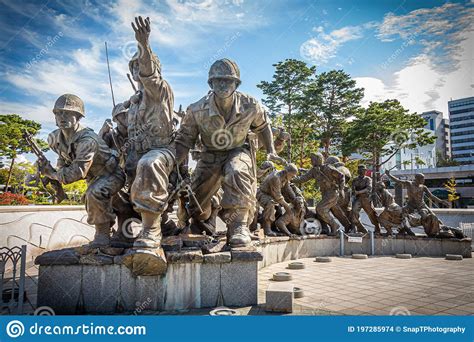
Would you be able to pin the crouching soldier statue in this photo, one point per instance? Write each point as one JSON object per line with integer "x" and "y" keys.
{"x": 83, "y": 155}
{"x": 271, "y": 193}
{"x": 223, "y": 119}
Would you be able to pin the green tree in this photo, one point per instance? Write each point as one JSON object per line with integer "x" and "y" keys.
{"x": 441, "y": 161}
{"x": 383, "y": 129}
{"x": 12, "y": 143}
{"x": 333, "y": 97}
{"x": 450, "y": 187}
{"x": 18, "y": 174}
{"x": 285, "y": 95}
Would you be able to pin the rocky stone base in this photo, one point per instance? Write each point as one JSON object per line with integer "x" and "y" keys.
{"x": 113, "y": 280}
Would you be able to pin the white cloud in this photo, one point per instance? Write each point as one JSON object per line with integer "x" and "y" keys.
{"x": 83, "y": 71}
{"x": 437, "y": 30}
{"x": 323, "y": 47}
{"x": 422, "y": 86}
{"x": 444, "y": 68}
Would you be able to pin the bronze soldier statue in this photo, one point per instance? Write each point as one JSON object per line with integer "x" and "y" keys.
{"x": 150, "y": 159}
{"x": 117, "y": 138}
{"x": 223, "y": 119}
{"x": 281, "y": 138}
{"x": 83, "y": 155}
{"x": 392, "y": 214}
{"x": 331, "y": 184}
{"x": 342, "y": 211}
{"x": 416, "y": 191}
{"x": 362, "y": 190}
{"x": 272, "y": 192}
{"x": 289, "y": 223}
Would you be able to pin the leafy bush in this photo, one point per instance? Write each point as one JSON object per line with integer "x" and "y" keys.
{"x": 7, "y": 198}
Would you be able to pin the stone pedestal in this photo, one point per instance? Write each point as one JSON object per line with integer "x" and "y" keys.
{"x": 190, "y": 281}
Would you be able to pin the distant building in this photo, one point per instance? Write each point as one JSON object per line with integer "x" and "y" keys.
{"x": 461, "y": 117}
{"x": 440, "y": 127}
{"x": 413, "y": 159}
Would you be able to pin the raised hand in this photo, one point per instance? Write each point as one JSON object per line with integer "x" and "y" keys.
{"x": 142, "y": 30}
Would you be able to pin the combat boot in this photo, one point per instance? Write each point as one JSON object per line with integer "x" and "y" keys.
{"x": 150, "y": 236}
{"x": 238, "y": 234}
{"x": 102, "y": 236}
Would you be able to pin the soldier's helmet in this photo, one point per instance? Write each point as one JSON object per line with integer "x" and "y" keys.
{"x": 119, "y": 109}
{"x": 316, "y": 158}
{"x": 70, "y": 103}
{"x": 267, "y": 164}
{"x": 291, "y": 168}
{"x": 224, "y": 68}
{"x": 154, "y": 58}
{"x": 332, "y": 160}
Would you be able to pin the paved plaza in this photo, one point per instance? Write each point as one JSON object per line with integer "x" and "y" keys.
{"x": 380, "y": 286}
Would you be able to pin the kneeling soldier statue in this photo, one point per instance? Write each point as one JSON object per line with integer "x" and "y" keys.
{"x": 83, "y": 155}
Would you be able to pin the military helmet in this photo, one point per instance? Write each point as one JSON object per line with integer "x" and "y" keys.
{"x": 290, "y": 167}
{"x": 69, "y": 102}
{"x": 118, "y": 109}
{"x": 316, "y": 158}
{"x": 267, "y": 164}
{"x": 333, "y": 160}
{"x": 154, "y": 59}
{"x": 224, "y": 68}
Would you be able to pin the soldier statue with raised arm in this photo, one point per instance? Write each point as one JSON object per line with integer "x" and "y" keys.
{"x": 150, "y": 159}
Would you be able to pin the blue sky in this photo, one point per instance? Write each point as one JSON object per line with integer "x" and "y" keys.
{"x": 420, "y": 52}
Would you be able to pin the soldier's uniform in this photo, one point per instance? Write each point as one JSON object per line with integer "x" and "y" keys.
{"x": 342, "y": 211}
{"x": 85, "y": 156}
{"x": 275, "y": 189}
{"x": 362, "y": 201}
{"x": 392, "y": 213}
{"x": 115, "y": 139}
{"x": 330, "y": 182}
{"x": 150, "y": 158}
{"x": 226, "y": 159}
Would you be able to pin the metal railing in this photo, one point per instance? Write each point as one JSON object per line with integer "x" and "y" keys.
{"x": 12, "y": 278}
